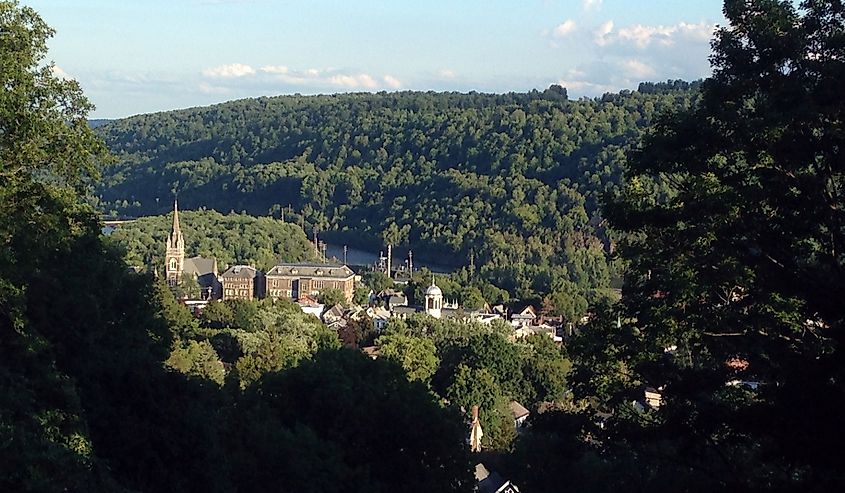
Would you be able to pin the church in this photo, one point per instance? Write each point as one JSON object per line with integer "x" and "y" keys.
{"x": 203, "y": 270}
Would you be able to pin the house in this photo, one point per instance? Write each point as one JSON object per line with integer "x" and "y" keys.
{"x": 397, "y": 300}
{"x": 492, "y": 482}
{"x": 372, "y": 352}
{"x": 309, "y": 304}
{"x": 523, "y": 331}
{"x": 519, "y": 413}
{"x": 242, "y": 282}
{"x": 653, "y": 397}
{"x": 380, "y": 317}
{"x": 295, "y": 280}
{"x": 524, "y": 318}
{"x": 333, "y": 315}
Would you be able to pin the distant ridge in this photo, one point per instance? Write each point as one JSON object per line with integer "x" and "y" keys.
{"x": 99, "y": 122}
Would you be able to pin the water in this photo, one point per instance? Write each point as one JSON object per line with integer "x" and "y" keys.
{"x": 355, "y": 256}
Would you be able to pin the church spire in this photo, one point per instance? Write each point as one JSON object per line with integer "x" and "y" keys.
{"x": 175, "y": 253}
{"x": 176, "y": 230}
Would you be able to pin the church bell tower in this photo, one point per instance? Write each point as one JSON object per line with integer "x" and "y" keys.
{"x": 175, "y": 254}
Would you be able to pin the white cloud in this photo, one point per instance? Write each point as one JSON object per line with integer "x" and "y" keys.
{"x": 564, "y": 28}
{"x": 59, "y": 73}
{"x": 603, "y": 33}
{"x": 446, "y": 73}
{"x": 643, "y": 36}
{"x": 592, "y": 4}
{"x": 227, "y": 71}
{"x": 638, "y": 69}
{"x": 274, "y": 69}
{"x": 353, "y": 81}
{"x": 207, "y": 88}
{"x": 392, "y": 82}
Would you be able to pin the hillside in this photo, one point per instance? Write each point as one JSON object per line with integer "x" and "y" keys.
{"x": 510, "y": 181}
{"x": 230, "y": 238}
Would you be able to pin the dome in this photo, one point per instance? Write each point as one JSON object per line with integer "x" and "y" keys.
{"x": 433, "y": 290}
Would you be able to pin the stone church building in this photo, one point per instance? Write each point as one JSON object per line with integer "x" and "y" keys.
{"x": 176, "y": 266}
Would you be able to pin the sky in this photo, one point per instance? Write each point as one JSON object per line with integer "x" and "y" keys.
{"x": 143, "y": 56}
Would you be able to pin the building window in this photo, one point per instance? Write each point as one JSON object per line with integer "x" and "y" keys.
{"x": 172, "y": 264}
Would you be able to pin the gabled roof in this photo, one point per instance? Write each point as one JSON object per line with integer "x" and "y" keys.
{"x": 518, "y": 410}
{"x": 241, "y": 271}
{"x": 527, "y": 312}
{"x": 200, "y": 266}
{"x": 306, "y": 269}
{"x": 334, "y": 312}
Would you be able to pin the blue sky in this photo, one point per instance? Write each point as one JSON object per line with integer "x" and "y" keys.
{"x": 142, "y": 56}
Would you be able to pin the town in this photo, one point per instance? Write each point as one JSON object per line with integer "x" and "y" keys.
{"x": 304, "y": 283}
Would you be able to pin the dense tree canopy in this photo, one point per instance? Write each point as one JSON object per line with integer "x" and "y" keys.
{"x": 733, "y": 301}
{"x": 230, "y": 238}
{"x": 106, "y": 384}
{"x": 509, "y": 183}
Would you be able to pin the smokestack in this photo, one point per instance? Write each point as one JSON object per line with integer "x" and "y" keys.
{"x": 411, "y": 262}
{"x": 389, "y": 259}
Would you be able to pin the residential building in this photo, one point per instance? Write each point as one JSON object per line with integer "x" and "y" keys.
{"x": 242, "y": 282}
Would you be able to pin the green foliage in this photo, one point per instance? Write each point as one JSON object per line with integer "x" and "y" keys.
{"x": 86, "y": 401}
{"x": 416, "y": 355}
{"x": 479, "y": 387}
{"x": 511, "y": 180}
{"x": 732, "y": 228}
{"x": 357, "y": 408}
{"x": 197, "y": 359}
{"x": 377, "y": 281}
{"x": 331, "y": 297}
{"x": 231, "y": 239}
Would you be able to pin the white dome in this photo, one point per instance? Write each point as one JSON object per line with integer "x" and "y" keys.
{"x": 433, "y": 290}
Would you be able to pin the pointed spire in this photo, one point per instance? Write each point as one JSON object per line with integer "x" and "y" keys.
{"x": 432, "y": 279}
{"x": 176, "y": 229}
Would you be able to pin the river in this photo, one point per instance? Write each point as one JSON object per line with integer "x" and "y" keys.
{"x": 358, "y": 257}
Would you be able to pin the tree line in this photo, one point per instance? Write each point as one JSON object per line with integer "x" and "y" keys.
{"x": 509, "y": 183}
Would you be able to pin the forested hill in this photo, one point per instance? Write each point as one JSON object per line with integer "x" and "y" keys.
{"x": 508, "y": 179}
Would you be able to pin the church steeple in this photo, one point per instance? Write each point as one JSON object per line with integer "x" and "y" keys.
{"x": 176, "y": 217}
{"x": 175, "y": 255}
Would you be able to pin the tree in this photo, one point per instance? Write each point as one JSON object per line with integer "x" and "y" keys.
{"x": 362, "y": 409}
{"x": 471, "y": 298}
{"x": 416, "y": 355}
{"x": 478, "y": 387}
{"x": 331, "y": 297}
{"x": 736, "y": 261}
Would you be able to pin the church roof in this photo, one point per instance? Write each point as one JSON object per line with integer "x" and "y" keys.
{"x": 200, "y": 266}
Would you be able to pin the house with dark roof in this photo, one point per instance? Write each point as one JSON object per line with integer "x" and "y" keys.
{"x": 296, "y": 280}
{"x": 242, "y": 282}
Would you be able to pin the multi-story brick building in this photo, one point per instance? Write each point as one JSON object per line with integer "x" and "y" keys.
{"x": 293, "y": 281}
{"x": 242, "y": 282}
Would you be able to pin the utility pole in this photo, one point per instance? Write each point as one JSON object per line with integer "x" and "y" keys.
{"x": 389, "y": 259}
{"x": 345, "y": 251}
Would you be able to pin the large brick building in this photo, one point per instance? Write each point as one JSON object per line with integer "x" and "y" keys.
{"x": 294, "y": 281}
{"x": 242, "y": 282}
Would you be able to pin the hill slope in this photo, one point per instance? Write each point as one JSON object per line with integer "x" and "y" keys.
{"x": 510, "y": 180}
